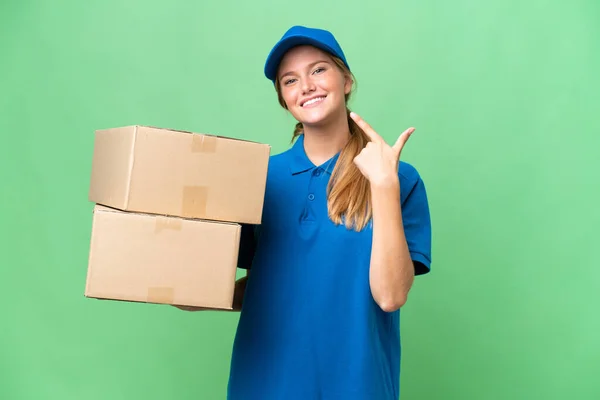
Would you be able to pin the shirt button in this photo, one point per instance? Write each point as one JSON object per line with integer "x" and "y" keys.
{"x": 311, "y": 197}
{"x": 317, "y": 172}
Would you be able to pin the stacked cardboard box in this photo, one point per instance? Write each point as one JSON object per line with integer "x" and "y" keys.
{"x": 168, "y": 212}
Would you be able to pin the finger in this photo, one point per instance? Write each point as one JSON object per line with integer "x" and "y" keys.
{"x": 369, "y": 131}
{"x": 402, "y": 140}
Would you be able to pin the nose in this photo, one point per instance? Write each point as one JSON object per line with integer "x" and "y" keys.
{"x": 308, "y": 85}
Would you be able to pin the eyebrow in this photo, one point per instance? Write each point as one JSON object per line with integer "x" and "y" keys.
{"x": 309, "y": 66}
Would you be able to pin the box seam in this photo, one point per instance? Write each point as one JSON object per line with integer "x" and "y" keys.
{"x": 231, "y": 138}
{"x": 90, "y": 255}
{"x": 159, "y": 215}
{"x": 131, "y": 165}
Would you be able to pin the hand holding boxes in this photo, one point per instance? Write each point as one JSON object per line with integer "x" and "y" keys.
{"x": 169, "y": 208}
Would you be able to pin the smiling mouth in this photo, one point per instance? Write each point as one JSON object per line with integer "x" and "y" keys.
{"x": 314, "y": 101}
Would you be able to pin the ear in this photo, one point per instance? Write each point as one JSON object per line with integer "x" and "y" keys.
{"x": 348, "y": 82}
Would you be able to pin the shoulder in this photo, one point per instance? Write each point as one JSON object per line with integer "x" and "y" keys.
{"x": 278, "y": 163}
{"x": 408, "y": 174}
{"x": 412, "y": 187}
{"x": 280, "y": 158}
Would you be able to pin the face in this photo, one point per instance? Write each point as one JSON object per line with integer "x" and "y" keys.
{"x": 312, "y": 85}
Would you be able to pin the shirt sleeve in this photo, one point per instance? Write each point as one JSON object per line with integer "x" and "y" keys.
{"x": 416, "y": 219}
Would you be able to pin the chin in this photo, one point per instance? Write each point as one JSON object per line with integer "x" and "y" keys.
{"x": 314, "y": 121}
{"x": 315, "y": 117}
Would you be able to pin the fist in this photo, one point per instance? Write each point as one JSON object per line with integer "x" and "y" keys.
{"x": 378, "y": 161}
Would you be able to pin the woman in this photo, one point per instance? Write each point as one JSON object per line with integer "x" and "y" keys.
{"x": 345, "y": 229}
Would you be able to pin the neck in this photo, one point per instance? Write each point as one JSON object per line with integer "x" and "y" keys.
{"x": 324, "y": 141}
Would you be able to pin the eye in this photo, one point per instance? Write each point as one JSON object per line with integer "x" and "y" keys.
{"x": 288, "y": 81}
{"x": 318, "y": 70}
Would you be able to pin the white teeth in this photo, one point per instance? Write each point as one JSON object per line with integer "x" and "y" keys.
{"x": 313, "y": 101}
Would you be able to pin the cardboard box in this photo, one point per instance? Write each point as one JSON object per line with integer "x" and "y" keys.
{"x": 165, "y": 260}
{"x": 177, "y": 173}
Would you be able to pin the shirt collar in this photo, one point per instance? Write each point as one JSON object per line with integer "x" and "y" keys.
{"x": 300, "y": 162}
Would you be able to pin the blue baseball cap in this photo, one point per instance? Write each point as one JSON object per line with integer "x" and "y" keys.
{"x": 301, "y": 35}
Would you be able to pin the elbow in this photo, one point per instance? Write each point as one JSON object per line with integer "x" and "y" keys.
{"x": 392, "y": 303}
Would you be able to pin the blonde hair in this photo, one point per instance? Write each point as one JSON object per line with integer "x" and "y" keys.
{"x": 348, "y": 191}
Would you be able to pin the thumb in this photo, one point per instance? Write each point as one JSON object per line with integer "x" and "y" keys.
{"x": 402, "y": 140}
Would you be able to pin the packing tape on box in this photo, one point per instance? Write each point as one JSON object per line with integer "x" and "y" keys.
{"x": 164, "y": 223}
{"x": 194, "y": 201}
{"x": 203, "y": 143}
{"x": 163, "y": 295}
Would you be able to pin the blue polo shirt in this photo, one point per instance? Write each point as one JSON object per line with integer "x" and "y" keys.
{"x": 309, "y": 328}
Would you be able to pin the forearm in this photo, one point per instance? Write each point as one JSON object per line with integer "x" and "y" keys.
{"x": 391, "y": 271}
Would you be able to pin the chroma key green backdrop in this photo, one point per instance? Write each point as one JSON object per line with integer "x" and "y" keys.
{"x": 505, "y": 99}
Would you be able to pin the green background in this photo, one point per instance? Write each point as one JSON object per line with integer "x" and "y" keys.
{"x": 504, "y": 96}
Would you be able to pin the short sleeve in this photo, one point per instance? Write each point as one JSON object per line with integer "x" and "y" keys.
{"x": 247, "y": 246}
{"x": 416, "y": 219}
